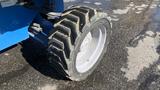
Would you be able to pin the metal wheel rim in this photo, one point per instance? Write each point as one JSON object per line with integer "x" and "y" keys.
{"x": 91, "y": 49}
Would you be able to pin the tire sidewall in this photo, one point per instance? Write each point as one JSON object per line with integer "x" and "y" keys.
{"x": 96, "y": 21}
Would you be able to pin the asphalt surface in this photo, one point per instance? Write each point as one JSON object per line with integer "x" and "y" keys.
{"x": 131, "y": 63}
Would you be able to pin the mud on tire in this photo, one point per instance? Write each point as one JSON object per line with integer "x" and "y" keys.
{"x": 68, "y": 34}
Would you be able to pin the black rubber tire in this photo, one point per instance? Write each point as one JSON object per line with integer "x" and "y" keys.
{"x": 67, "y": 36}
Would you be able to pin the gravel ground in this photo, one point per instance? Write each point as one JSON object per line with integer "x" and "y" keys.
{"x": 132, "y": 61}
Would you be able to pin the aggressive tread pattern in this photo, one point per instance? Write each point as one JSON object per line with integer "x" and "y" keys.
{"x": 63, "y": 38}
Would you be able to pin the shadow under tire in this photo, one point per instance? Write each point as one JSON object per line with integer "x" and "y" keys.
{"x": 78, "y": 42}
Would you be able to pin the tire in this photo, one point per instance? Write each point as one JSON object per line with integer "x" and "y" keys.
{"x": 66, "y": 39}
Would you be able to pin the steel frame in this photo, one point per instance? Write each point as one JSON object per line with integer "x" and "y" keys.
{"x": 15, "y": 21}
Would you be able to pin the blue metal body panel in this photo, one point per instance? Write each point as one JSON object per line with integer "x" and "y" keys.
{"x": 15, "y": 20}
{"x": 10, "y": 38}
{"x": 14, "y": 23}
{"x": 58, "y": 5}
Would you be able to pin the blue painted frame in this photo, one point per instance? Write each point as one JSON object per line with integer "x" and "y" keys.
{"x": 15, "y": 20}
{"x": 14, "y": 23}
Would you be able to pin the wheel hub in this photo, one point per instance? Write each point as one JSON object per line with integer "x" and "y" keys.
{"x": 91, "y": 48}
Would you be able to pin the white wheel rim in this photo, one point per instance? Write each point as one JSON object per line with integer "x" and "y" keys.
{"x": 91, "y": 49}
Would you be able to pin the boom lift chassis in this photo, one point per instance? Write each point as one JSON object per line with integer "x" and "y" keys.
{"x": 76, "y": 39}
